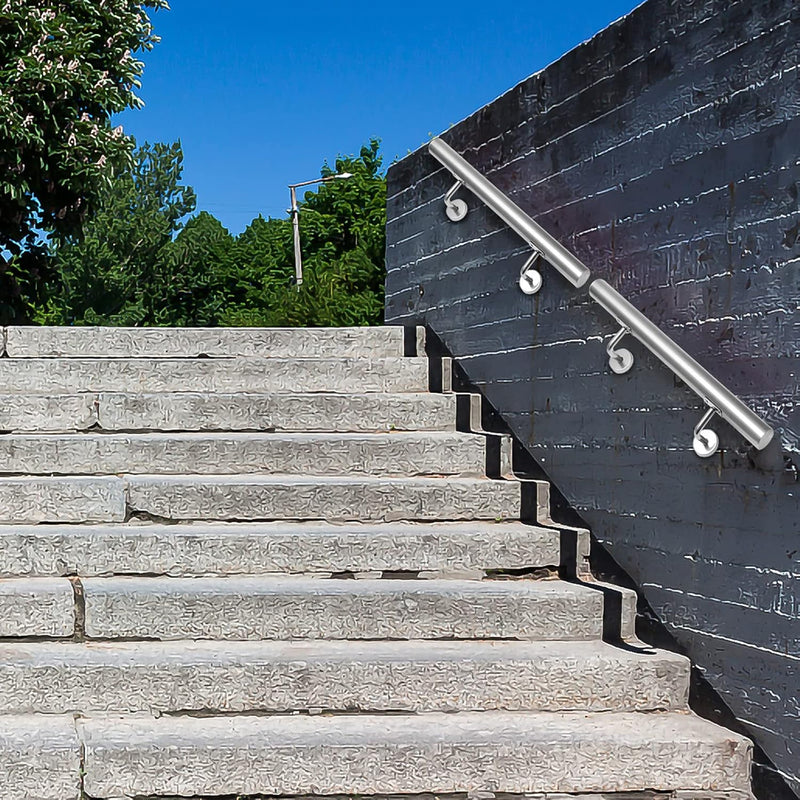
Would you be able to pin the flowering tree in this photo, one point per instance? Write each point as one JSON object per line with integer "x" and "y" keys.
{"x": 66, "y": 66}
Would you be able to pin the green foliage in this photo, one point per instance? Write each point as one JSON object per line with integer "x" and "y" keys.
{"x": 197, "y": 272}
{"x": 65, "y": 68}
{"x": 138, "y": 265}
{"x": 128, "y": 270}
{"x": 343, "y": 239}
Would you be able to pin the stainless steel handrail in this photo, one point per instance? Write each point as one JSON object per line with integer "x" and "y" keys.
{"x": 718, "y": 398}
{"x": 539, "y": 239}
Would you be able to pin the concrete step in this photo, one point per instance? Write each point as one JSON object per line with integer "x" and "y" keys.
{"x": 281, "y": 412}
{"x": 72, "y": 499}
{"x": 87, "y": 342}
{"x": 278, "y": 677}
{"x": 254, "y": 497}
{"x": 436, "y": 753}
{"x": 251, "y": 497}
{"x": 229, "y": 548}
{"x": 40, "y": 758}
{"x": 266, "y": 607}
{"x": 237, "y": 411}
{"x": 429, "y": 453}
{"x": 36, "y": 607}
{"x": 271, "y": 375}
{"x": 55, "y": 412}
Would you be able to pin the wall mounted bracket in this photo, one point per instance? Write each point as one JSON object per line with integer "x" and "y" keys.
{"x": 620, "y": 359}
{"x": 530, "y": 279}
{"x": 455, "y": 209}
{"x": 705, "y": 442}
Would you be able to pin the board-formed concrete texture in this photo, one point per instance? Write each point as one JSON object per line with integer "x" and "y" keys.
{"x": 663, "y": 152}
{"x": 254, "y": 562}
{"x": 231, "y": 548}
{"x": 431, "y": 752}
{"x": 285, "y": 676}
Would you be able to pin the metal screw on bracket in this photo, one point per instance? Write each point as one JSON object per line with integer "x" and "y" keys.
{"x": 530, "y": 279}
{"x": 705, "y": 441}
{"x": 456, "y": 210}
{"x": 620, "y": 359}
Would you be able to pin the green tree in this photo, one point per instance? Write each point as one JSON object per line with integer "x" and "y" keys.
{"x": 196, "y": 274}
{"x": 343, "y": 237}
{"x": 260, "y": 266}
{"x": 139, "y": 265}
{"x": 127, "y": 270}
{"x": 65, "y": 69}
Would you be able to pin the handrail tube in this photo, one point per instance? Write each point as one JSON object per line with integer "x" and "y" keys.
{"x": 726, "y": 404}
{"x": 556, "y": 254}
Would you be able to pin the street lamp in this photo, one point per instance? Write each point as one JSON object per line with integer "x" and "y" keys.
{"x": 295, "y": 212}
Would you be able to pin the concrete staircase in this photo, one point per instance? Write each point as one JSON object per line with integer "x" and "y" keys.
{"x": 265, "y": 562}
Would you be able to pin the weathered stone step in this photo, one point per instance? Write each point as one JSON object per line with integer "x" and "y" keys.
{"x": 254, "y": 497}
{"x": 40, "y": 758}
{"x": 229, "y": 548}
{"x": 281, "y": 412}
{"x": 273, "y": 375}
{"x": 36, "y": 607}
{"x": 87, "y": 342}
{"x": 436, "y": 753}
{"x": 265, "y": 607}
{"x": 172, "y": 677}
{"x": 429, "y": 453}
{"x": 55, "y": 412}
{"x": 72, "y": 499}
{"x": 236, "y": 411}
{"x": 186, "y": 497}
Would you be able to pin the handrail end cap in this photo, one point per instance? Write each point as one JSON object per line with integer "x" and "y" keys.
{"x": 765, "y": 439}
{"x": 582, "y": 279}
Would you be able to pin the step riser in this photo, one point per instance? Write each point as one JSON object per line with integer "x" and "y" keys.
{"x": 243, "y": 609}
{"x": 96, "y": 499}
{"x": 271, "y": 547}
{"x": 40, "y": 759}
{"x": 74, "y": 499}
{"x": 40, "y": 607}
{"x": 279, "y": 412}
{"x": 286, "y": 376}
{"x": 172, "y": 679}
{"x": 57, "y": 412}
{"x": 187, "y": 411}
{"x": 421, "y": 499}
{"x": 370, "y": 454}
{"x": 355, "y": 756}
{"x": 48, "y": 342}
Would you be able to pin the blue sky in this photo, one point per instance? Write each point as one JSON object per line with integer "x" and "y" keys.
{"x": 262, "y": 93}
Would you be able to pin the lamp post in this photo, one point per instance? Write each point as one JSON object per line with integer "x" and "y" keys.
{"x": 295, "y": 212}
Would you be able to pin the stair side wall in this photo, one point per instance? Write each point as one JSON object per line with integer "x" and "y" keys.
{"x": 664, "y": 153}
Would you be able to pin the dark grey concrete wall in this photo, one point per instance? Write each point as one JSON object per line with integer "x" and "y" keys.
{"x": 666, "y": 153}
